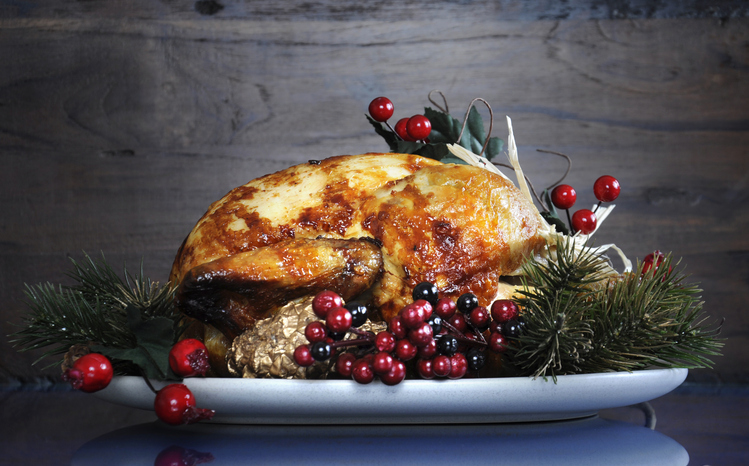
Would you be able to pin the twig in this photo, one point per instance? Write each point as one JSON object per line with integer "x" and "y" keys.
{"x": 569, "y": 165}
{"x": 491, "y": 123}
{"x": 444, "y": 99}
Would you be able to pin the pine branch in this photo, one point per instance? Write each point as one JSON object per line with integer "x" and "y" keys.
{"x": 578, "y": 319}
{"x": 92, "y": 311}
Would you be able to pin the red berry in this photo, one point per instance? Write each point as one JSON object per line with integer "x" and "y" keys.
{"x": 382, "y": 363}
{"x": 178, "y": 456}
{"x": 504, "y": 310}
{"x": 303, "y": 356}
{"x": 429, "y": 350}
{"x": 90, "y": 373}
{"x": 441, "y": 366}
{"x": 315, "y": 331}
{"x": 381, "y": 109}
{"x": 400, "y": 129}
{"x": 606, "y": 188}
{"x": 458, "y": 366}
{"x": 397, "y": 328}
{"x": 419, "y": 127}
{"x": 479, "y": 317}
{"x": 339, "y": 319}
{"x": 497, "y": 342}
{"x": 325, "y": 301}
{"x": 395, "y": 375}
{"x": 652, "y": 261}
{"x": 459, "y": 322}
{"x": 405, "y": 350}
{"x": 445, "y": 308}
{"x": 344, "y": 364}
{"x": 424, "y": 368}
{"x": 175, "y": 405}
{"x": 584, "y": 221}
{"x": 421, "y": 335}
{"x": 189, "y": 357}
{"x": 385, "y": 341}
{"x": 362, "y": 371}
{"x": 412, "y": 316}
{"x": 563, "y": 196}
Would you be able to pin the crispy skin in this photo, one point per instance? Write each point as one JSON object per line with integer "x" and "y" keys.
{"x": 458, "y": 226}
{"x": 232, "y": 293}
{"x": 303, "y": 201}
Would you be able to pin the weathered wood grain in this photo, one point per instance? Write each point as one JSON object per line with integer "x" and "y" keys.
{"x": 120, "y": 125}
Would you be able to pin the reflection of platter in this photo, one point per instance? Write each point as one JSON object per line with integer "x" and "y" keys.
{"x": 519, "y": 399}
{"x": 588, "y": 441}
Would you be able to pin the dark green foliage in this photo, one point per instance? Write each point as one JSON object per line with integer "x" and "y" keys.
{"x": 101, "y": 309}
{"x": 579, "y": 319}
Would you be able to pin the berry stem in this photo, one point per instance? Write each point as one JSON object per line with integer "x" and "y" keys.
{"x": 148, "y": 382}
{"x": 462, "y": 338}
{"x": 444, "y": 99}
{"x": 366, "y": 339}
{"x": 491, "y": 123}
{"x": 596, "y": 207}
{"x": 569, "y": 221}
{"x": 393, "y": 130}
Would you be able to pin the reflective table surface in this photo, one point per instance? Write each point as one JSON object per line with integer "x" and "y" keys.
{"x": 694, "y": 425}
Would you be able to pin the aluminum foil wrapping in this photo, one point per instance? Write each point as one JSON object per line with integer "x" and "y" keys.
{"x": 267, "y": 351}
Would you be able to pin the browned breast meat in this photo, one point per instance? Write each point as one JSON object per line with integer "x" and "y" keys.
{"x": 459, "y": 226}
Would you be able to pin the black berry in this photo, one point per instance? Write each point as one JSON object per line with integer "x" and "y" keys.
{"x": 358, "y": 313}
{"x": 447, "y": 345}
{"x": 426, "y": 291}
{"x": 467, "y": 302}
{"x": 511, "y": 328}
{"x": 436, "y": 322}
{"x": 336, "y": 336}
{"x": 476, "y": 359}
{"x": 320, "y": 351}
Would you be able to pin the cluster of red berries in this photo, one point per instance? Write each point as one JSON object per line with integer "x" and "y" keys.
{"x": 416, "y": 128}
{"x": 445, "y": 338}
{"x": 564, "y": 196}
{"x": 175, "y": 403}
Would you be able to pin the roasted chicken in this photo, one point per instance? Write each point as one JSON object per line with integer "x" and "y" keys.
{"x": 368, "y": 226}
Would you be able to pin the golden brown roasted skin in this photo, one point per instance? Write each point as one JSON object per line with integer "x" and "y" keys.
{"x": 233, "y": 292}
{"x": 460, "y": 227}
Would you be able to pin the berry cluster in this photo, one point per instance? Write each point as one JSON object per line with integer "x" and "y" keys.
{"x": 443, "y": 338}
{"x": 416, "y": 128}
{"x": 175, "y": 403}
{"x": 564, "y": 196}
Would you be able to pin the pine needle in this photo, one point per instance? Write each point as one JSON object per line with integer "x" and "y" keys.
{"x": 579, "y": 319}
{"x": 92, "y": 311}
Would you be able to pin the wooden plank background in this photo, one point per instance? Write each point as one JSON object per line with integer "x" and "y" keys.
{"x": 120, "y": 122}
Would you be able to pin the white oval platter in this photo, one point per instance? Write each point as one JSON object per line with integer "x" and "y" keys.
{"x": 489, "y": 400}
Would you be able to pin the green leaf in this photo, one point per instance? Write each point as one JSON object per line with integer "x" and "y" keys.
{"x": 407, "y": 147}
{"x": 553, "y": 219}
{"x": 154, "y": 339}
{"x": 551, "y": 216}
{"x": 494, "y": 148}
{"x": 445, "y": 129}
